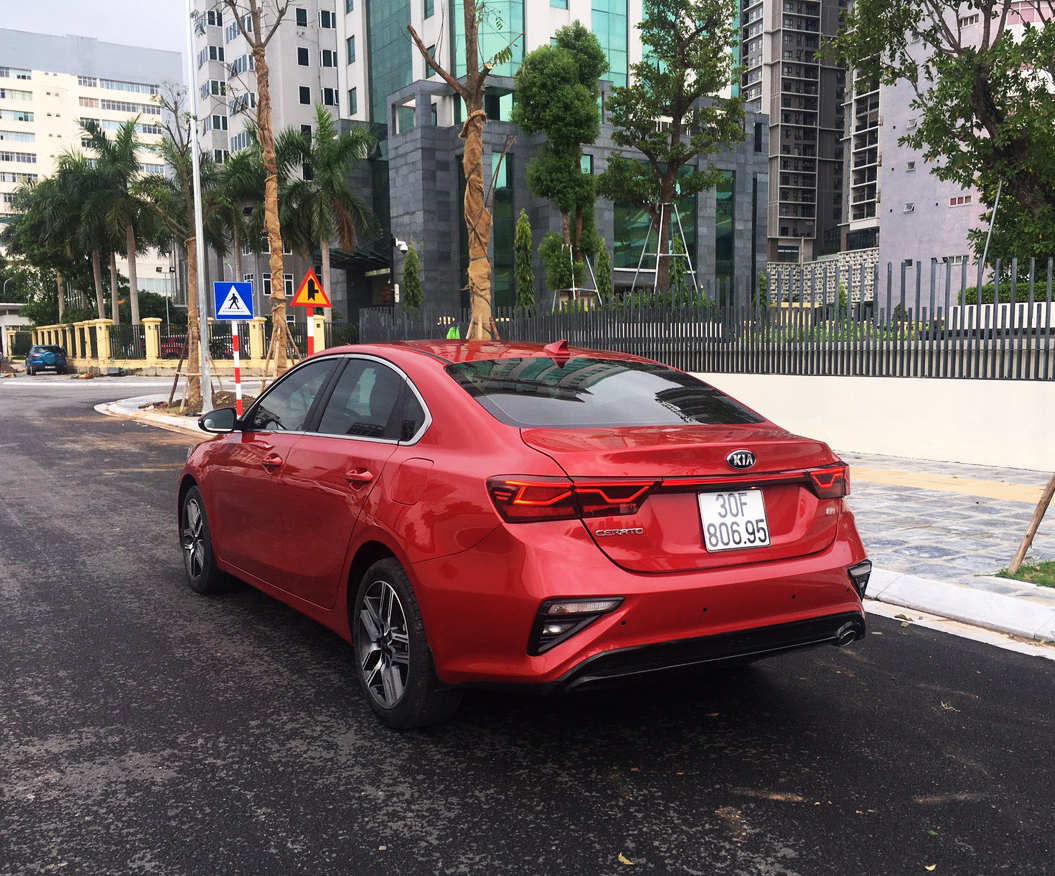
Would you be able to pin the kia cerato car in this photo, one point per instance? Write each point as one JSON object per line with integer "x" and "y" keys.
{"x": 43, "y": 356}
{"x": 541, "y": 518}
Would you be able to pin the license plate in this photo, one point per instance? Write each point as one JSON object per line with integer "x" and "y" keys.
{"x": 734, "y": 521}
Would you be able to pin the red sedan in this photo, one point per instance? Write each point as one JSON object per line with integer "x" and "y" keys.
{"x": 548, "y": 518}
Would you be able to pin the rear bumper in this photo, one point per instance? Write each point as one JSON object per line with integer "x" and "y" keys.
{"x": 688, "y": 654}
{"x": 479, "y": 609}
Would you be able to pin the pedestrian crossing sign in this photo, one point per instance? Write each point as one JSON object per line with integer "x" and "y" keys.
{"x": 233, "y": 300}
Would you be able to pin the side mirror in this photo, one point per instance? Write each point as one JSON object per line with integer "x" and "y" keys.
{"x": 218, "y": 421}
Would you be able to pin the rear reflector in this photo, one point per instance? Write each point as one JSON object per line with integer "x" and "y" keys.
{"x": 526, "y": 499}
{"x": 831, "y": 483}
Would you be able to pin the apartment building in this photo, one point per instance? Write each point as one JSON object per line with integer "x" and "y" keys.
{"x": 803, "y": 96}
{"x": 50, "y": 84}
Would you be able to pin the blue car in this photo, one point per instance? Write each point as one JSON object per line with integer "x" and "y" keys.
{"x": 40, "y": 357}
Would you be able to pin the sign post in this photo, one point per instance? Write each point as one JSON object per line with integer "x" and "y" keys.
{"x": 234, "y": 302}
{"x": 311, "y": 295}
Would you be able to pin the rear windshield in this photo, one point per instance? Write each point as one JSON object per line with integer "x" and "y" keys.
{"x": 46, "y": 349}
{"x": 588, "y": 392}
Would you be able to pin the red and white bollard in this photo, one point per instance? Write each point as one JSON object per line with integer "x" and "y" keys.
{"x": 237, "y": 369}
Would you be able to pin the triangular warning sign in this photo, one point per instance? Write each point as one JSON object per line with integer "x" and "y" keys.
{"x": 311, "y": 293}
{"x": 233, "y": 305}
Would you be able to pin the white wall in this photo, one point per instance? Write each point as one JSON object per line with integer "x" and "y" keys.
{"x": 1008, "y": 423}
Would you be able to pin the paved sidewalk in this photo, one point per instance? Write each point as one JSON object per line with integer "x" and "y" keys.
{"x": 935, "y": 531}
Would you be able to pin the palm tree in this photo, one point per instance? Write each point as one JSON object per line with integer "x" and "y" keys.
{"x": 240, "y": 195}
{"x": 170, "y": 198}
{"x": 118, "y": 166}
{"x": 320, "y": 206}
{"x": 87, "y": 193}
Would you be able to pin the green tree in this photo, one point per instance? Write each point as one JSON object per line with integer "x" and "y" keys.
{"x": 319, "y": 206}
{"x": 688, "y": 45}
{"x": 562, "y": 271}
{"x": 604, "y": 273}
{"x": 983, "y": 94}
{"x": 240, "y": 198}
{"x": 413, "y": 296}
{"x": 557, "y": 95}
{"x": 117, "y": 165}
{"x": 523, "y": 265}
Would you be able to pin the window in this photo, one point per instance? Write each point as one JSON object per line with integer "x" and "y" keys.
{"x": 910, "y": 167}
{"x": 429, "y": 8}
{"x": 909, "y": 208}
{"x": 363, "y": 402}
{"x": 87, "y": 81}
{"x": 306, "y": 131}
{"x": 329, "y": 58}
{"x": 125, "y": 107}
{"x": 302, "y": 17}
{"x": 287, "y": 406}
{"x": 349, "y": 6}
{"x": 968, "y": 20}
{"x": 594, "y": 392}
{"x": 329, "y": 97}
{"x": 15, "y": 94}
{"x": 18, "y": 157}
{"x": 586, "y": 164}
{"x": 217, "y": 87}
{"x": 18, "y": 136}
{"x": 220, "y": 155}
{"x": 247, "y": 278}
{"x": 327, "y": 19}
{"x": 432, "y": 53}
{"x": 353, "y": 101}
{"x": 266, "y": 283}
{"x": 287, "y": 283}
{"x": 758, "y": 136}
{"x": 306, "y": 172}
{"x": 912, "y": 124}
{"x": 350, "y": 46}
{"x": 16, "y": 115}
{"x": 219, "y": 122}
{"x": 214, "y": 17}
{"x": 119, "y": 85}
{"x": 958, "y": 201}
{"x": 305, "y": 94}
{"x": 302, "y": 56}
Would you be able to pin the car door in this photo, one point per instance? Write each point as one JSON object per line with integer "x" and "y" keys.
{"x": 246, "y": 471}
{"x": 332, "y": 474}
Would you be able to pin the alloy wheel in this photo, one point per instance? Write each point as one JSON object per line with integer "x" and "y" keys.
{"x": 194, "y": 539}
{"x": 383, "y": 644}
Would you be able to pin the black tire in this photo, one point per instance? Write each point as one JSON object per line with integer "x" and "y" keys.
{"x": 199, "y": 560}
{"x": 392, "y": 656}
{"x": 30, "y": 371}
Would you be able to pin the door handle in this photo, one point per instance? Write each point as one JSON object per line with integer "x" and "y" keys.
{"x": 271, "y": 462}
{"x": 359, "y": 476}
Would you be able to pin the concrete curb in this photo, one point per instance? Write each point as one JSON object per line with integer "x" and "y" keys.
{"x": 1017, "y": 615}
{"x": 129, "y": 409}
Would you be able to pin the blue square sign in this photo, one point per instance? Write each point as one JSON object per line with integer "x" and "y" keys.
{"x": 233, "y": 300}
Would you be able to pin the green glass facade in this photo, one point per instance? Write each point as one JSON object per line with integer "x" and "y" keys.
{"x": 503, "y": 230}
{"x": 503, "y": 22}
{"x": 724, "y": 236}
{"x": 609, "y": 24}
{"x": 391, "y": 53}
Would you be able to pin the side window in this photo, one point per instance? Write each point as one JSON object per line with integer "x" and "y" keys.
{"x": 413, "y": 417}
{"x": 285, "y": 408}
{"x": 363, "y": 401}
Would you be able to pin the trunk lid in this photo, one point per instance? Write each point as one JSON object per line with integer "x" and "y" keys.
{"x": 666, "y": 532}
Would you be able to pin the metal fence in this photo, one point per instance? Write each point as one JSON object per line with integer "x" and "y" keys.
{"x": 221, "y": 344}
{"x": 910, "y": 329}
{"x": 172, "y": 345}
{"x": 21, "y": 344}
{"x": 127, "y": 341}
{"x": 338, "y": 333}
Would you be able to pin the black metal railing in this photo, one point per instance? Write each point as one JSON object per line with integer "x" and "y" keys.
{"x": 172, "y": 345}
{"x": 814, "y": 323}
{"x": 127, "y": 341}
{"x": 221, "y": 344}
{"x": 338, "y": 333}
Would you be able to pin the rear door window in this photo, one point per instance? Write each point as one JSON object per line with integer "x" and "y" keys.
{"x": 364, "y": 401}
{"x": 593, "y": 392}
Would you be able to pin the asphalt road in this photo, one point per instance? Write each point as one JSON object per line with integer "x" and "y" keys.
{"x": 145, "y": 729}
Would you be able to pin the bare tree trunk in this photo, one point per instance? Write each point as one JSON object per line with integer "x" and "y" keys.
{"x": 133, "y": 280}
{"x": 565, "y": 228}
{"x": 1038, "y": 515}
{"x": 192, "y": 397}
{"x": 115, "y": 291}
{"x": 97, "y": 276}
{"x": 60, "y": 283}
{"x": 579, "y": 254}
{"x": 663, "y": 263}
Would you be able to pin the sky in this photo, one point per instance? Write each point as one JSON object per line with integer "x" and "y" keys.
{"x": 152, "y": 24}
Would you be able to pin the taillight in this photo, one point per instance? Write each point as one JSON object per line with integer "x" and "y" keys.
{"x": 526, "y": 499}
{"x": 831, "y": 483}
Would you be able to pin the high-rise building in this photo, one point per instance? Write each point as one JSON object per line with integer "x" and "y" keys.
{"x": 50, "y": 84}
{"x": 418, "y": 182}
{"x": 802, "y": 94}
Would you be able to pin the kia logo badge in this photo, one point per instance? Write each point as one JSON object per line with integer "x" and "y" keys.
{"x": 740, "y": 459}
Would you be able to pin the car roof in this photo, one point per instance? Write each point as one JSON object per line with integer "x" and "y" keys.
{"x": 450, "y": 351}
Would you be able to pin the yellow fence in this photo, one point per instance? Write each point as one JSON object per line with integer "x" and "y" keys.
{"x": 88, "y": 348}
